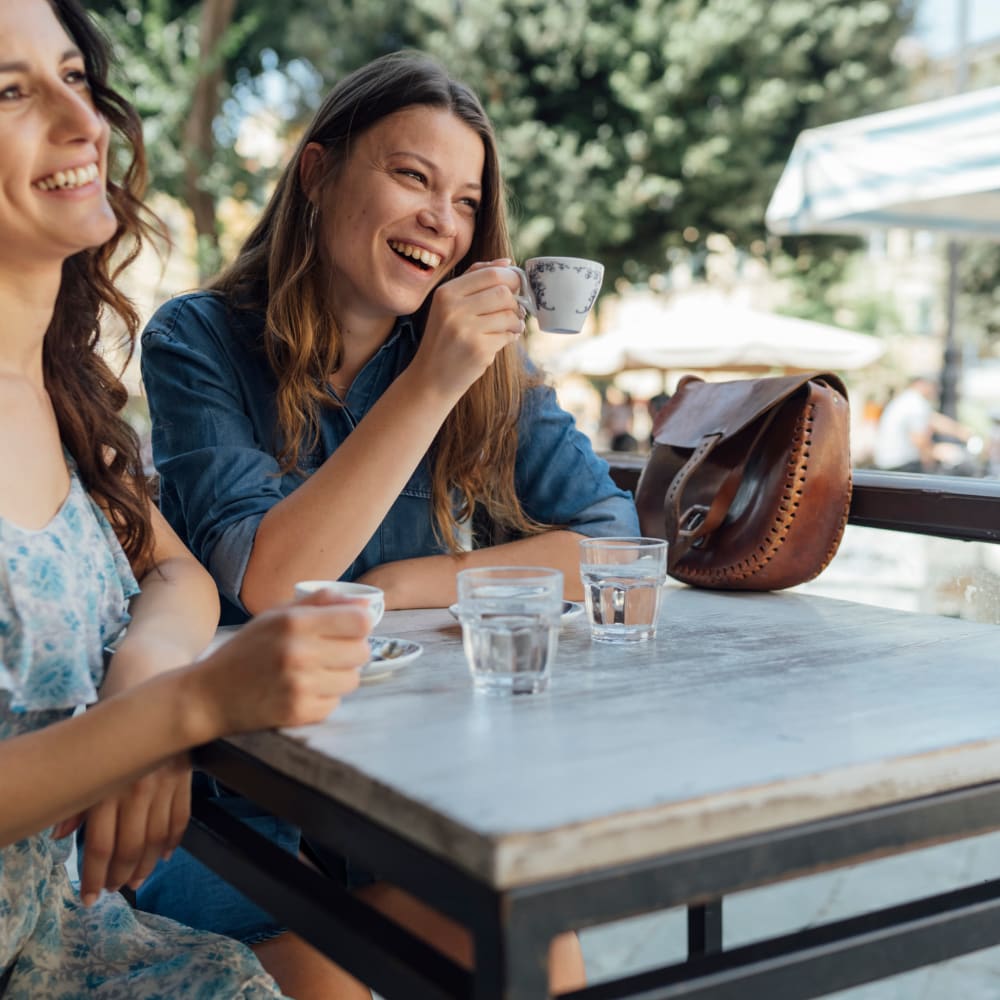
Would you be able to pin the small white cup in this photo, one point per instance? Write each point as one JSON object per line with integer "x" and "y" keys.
{"x": 374, "y": 597}
{"x": 559, "y": 291}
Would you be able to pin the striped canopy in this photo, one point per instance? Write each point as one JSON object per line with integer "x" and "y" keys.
{"x": 931, "y": 166}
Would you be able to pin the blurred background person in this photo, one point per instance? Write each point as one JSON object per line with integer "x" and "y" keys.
{"x": 906, "y": 439}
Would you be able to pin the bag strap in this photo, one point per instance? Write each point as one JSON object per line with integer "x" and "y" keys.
{"x": 697, "y": 521}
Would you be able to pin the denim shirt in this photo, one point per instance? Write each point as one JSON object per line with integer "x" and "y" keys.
{"x": 212, "y": 400}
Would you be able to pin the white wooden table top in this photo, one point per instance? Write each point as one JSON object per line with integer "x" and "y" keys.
{"x": 748, "y": 712}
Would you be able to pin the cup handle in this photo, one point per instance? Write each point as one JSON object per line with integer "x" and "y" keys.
{"x": 527, "y": 298}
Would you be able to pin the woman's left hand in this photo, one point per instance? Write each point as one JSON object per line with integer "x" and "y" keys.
{"x": 127, "y": 834}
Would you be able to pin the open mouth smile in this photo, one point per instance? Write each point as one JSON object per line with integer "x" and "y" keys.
{"x": 422, "y": 258}
{"x": 64, "y": 180}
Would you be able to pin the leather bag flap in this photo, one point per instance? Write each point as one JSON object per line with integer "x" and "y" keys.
{"x": 725, "y": 408}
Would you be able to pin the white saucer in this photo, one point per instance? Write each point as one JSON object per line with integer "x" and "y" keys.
{"x": 388, "y": 655}
{"x": 571, "y": 609}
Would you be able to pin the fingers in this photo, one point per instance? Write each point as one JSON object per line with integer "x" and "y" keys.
{"x": 169, "y": 807}
{"x": 489, "y": 288}
{"x": 101, "y": 824}
{"x": 352, "y": 618}
{"x": 67, "y": 826}
{"x": 480, "y": 264}
{"x": 127, "y": 836}
{"x": 180, "y": 813}
{"x": 289, "y": 666}
{"x": 130, "y": 835}
{"x": 151, "y": 840}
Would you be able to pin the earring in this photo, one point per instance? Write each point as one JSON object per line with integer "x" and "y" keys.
{"x": 311, "y": 214}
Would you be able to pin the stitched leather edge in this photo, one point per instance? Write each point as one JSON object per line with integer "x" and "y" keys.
{"x": 756, "y": 562}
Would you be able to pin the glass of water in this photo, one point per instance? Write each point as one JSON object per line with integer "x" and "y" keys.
{"x": 510, "y": 619}
{"x": 622, "y": 578}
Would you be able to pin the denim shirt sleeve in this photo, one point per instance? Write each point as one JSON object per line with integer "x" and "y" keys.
{"x": 559, "y": 478}
{"x": 217, "y": 478}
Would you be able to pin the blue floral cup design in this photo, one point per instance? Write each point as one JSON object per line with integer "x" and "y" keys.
{"x": 559, "y": 291}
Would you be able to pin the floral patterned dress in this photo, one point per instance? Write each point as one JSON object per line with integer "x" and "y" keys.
{"x": 64, "y": 593}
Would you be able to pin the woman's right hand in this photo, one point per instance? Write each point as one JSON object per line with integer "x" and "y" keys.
{"x": 287, "y": 667}
{"x": 472, "y": 318}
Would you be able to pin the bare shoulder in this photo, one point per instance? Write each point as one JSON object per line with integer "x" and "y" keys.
{"x": 35, "y": 478}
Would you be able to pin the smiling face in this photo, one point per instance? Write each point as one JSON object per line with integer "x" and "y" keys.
{"x": 52, "y": 172}
{"x": 398, "y": 215}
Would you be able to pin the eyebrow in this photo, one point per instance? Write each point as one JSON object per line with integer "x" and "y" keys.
{"x": 470, "y": 185}
{"x": 23, "y": 67}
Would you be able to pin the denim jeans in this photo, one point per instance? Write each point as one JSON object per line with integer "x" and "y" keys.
{"x": 185, "y": 890}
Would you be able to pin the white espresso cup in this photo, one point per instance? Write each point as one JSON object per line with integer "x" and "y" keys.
{"x": 374, "y": 597}
{"x": 559, "y": 291}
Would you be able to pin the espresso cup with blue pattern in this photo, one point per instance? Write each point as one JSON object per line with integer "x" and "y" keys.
{"x": 559, "y": 291}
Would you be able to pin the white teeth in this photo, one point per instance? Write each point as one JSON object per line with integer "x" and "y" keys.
{"x": 72, "y": 178}
{"x": 431, "y": 260}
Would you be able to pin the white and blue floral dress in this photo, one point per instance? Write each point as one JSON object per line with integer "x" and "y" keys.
{"x": 64, "y": 593}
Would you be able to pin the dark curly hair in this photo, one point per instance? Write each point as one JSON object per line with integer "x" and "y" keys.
{"x": 88, "y": 397}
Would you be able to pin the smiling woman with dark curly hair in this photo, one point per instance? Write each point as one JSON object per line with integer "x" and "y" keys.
{"x": 83, "y": 554}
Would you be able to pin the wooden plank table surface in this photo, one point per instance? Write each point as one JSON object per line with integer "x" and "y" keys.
{"x": 747, "y": 713}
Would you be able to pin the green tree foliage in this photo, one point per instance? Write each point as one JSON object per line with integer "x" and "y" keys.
{"x": 625, "y": 124}
{"x": 627, "y": 127}
{"x": 979, "y": 306}
{"x": 193, "y": 69}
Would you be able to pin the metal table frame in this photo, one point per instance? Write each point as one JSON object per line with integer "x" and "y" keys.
{"x": 511, "y": 929}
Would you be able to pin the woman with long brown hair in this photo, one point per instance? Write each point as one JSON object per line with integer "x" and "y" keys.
{"x": 351, "y": 393}
{"x": 83, "y": 553}
{"x": 350, "y": 398}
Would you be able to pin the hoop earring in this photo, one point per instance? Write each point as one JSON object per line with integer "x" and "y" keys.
{"x": 311, "y": 214}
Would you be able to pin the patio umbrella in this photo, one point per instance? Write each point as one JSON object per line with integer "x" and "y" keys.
{"x": 934, "y": 165}
{"x": 711, "y": 333}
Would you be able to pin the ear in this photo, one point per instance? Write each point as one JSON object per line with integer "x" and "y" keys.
{"x": 311, "y": 169}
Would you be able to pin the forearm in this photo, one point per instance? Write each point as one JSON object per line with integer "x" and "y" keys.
{"x": 943, "y": 424}
{"x": 173, "y": 619}
{"x": 430, "y": 582}
{"x": 319, "y": 529}
{"x": 58, "y": 771}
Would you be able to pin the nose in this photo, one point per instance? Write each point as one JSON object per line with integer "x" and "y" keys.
{"x": 75, "y": 119}
{"x": 439, "y": 216}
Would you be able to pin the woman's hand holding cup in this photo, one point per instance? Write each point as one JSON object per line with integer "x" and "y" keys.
{"x": 287, "y": 667}
{"x": 471, "y": 319}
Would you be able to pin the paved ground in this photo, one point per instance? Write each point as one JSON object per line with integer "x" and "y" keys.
{"x": 644, "y": 942}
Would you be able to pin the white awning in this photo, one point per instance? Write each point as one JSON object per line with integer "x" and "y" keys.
{"x": 704, "y": 332}
{"x": 934, "y": 166}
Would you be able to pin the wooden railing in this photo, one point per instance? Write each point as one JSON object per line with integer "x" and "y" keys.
{"x": 946, "y": 506}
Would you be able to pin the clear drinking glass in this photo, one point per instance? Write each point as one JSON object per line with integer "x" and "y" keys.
{"x": 622, "y": 578}
{"x": 510, "y": 619}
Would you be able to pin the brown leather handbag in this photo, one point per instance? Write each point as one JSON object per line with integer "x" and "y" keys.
{"x": 750, "y": 480}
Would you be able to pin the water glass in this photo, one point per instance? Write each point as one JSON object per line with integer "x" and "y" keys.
{"x": 510, "y": 619}
{"x": 622, "y": 578}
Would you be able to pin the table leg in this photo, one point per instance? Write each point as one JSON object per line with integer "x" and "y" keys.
{"x": 512, "y": 956}
{"x": 704, "y": 923}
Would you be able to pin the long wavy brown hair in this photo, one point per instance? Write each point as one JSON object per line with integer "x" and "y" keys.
{"x": 87, "y": 396}
{"x": 279, "y": 271}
